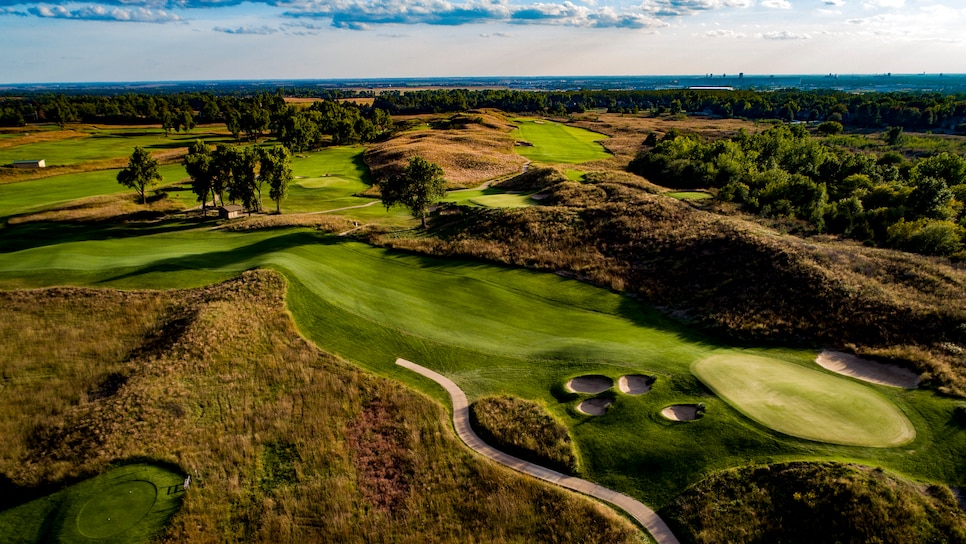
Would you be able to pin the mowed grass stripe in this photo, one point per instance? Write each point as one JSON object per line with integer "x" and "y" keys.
{"x": 805, "y": 403}
{"x": 43, "y": 193}
{"x": 555, "y": 143}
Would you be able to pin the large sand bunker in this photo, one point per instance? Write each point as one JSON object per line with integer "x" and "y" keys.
{"x": 635, "y": 384}
{"x": 594, "y": 407}
{"x": 682, "y": 412}
{"x": 591, "y": 384}
{"x": 870, "y": 371}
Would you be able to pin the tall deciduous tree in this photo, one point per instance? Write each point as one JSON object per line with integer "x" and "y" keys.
{"x": 419, "y": 185}
{"x": 275, "y": 169}
{"x": 200, "y": 166}
{"x": 142, "y": 171}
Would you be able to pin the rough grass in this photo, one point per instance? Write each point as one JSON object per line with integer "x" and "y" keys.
{"x": 524, "y": 429}
{"x": 805, "y": 402}
{"x": 285, "y": 443}
{"x": 471, "y": 148}
{"x": 814, "y": 502}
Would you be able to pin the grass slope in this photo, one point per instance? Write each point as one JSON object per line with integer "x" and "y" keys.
{"x": 493, "y": 330}
{"x": 284, "y": 443}
{"x": 805, "y": 403}
{"x": 555, "y": 143}
{"x": 44, "y": 193}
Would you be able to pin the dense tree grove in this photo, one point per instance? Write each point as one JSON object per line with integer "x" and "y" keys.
{"x": 784, "y": 172}
{"x": 256, "y": 114}
{"x": 242, "y": 171}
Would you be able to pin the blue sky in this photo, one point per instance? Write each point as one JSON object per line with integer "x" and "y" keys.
{"x": 151, "y": 40}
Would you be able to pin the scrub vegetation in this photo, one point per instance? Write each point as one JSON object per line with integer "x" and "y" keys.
{"x": 523, "y": 428}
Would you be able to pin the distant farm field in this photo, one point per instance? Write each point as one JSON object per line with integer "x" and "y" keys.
{"x": 556, "y": 143}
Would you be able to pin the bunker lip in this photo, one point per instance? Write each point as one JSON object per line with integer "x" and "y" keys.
{"x": 590, "y": 384}
{"x": 594, "y": 407}
{"x": 847, "y": 364}
{"x": 635, "y": 384}
{"x": 681, "y": 412}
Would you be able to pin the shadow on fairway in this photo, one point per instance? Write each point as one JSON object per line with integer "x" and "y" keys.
{"x": 231, "y": 259}
{"x": 33, "y": 235}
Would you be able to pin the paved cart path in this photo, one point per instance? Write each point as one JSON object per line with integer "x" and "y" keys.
{"x": 461, "y": 420}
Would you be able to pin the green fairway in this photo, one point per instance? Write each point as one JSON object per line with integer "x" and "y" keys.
{"x": 99, "y": 144}
{"x": 326, "y": 180}
{"x": 689, "y": 195}
{"x": 130, "y": 504}
{"x": 805, "y": 403}
{"x": 495, "y": 330}
{"x": 489, "y": 198}
{"x": 38, "y": 194}
{"x": 555, "y": 143}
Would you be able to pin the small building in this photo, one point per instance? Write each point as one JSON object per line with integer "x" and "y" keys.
{"x": 230, "y": 211}
{"x": 40, "y": 163}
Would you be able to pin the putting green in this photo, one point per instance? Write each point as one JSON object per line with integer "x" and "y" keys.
{"x": 117, "y": 508}
{"x": 805, "y": 403}
{"x": 127, "y": 505}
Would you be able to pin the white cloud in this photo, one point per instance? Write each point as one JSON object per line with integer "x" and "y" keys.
{"x": 873, "y": 4}
{"x": 785, "y": 35}
{"x": 776, "y": 4}
{"x": 724, "y": 34}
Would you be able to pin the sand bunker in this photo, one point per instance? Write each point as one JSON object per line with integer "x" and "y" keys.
{"x": 870, "y": 371}
{"x": 591, "y": 384}
{"x": 635, "y": 384}
{"x": 681, "y": 412}
{"x": 594, "y": 407}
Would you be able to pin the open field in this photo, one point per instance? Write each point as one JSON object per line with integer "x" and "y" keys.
{"x": 90, "y": 145}
{"x": 493, "y": 330}
{"x": 555, "y": 143}
{"x": 805, "y": 403}
{"x": 39, "y": 194}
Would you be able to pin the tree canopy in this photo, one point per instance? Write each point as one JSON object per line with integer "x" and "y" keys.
{"x": 142, "y": 171}
{"x": 419, "y": 185}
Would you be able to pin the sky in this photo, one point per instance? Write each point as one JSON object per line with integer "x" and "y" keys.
{"x": 173, "y": 40}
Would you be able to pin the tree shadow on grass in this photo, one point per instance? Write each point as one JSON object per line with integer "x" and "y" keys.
{"x": 231, "y": 259}
{"x": 15, "y": 238}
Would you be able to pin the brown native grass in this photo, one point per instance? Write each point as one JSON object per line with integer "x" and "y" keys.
{"x": 284, "y": 443}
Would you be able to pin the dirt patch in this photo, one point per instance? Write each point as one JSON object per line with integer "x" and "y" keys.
{"x": 866, "y": 370}
{"x": 682, "y": 412}
{"x": 594, "y": 407}
{"x": 591, "y": 384}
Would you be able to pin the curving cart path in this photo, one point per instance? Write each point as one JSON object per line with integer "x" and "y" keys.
{"x": 461, "y": 420}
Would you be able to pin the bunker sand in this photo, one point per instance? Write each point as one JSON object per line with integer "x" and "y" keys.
{"x": 869, "y": 371}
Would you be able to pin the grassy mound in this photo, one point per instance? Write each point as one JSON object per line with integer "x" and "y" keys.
{"x": 130, "y": 504}
{"x": 470, "y": 152}
{"x": 811, "y": 502}
{"x": 805, "y": 403}
{"x": 524, "y": 428}
{"x": 284, "y": 443}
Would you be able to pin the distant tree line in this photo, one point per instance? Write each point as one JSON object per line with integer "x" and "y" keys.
{"x": 784, "y": 172}
{"x": 247, "y": 113}
{"x": 250, "y": 117}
